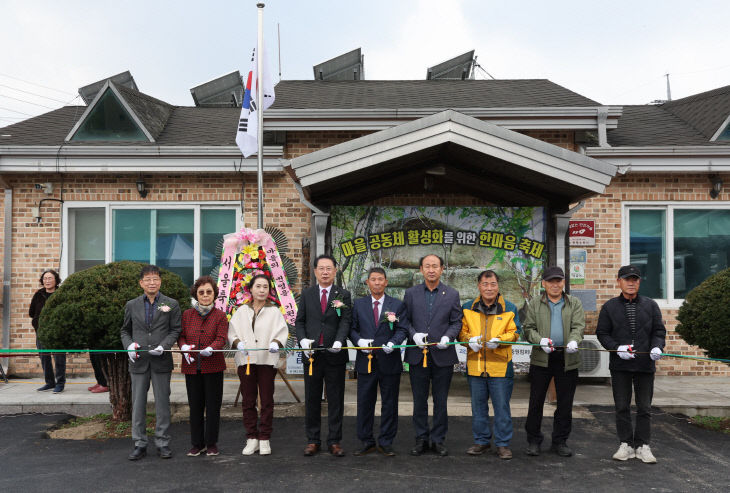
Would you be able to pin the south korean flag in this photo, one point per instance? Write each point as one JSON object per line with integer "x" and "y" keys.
{"x": 246, "y": 137}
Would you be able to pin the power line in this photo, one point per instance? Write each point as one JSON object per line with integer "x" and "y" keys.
{"x": 16, "y": 111}
{"x": 33, "y": 83}
{"x": 28, "y": 102}
{"x": 32, "y": 93}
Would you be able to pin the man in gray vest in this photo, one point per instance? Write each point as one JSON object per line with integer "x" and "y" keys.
{"x": 151, "y": 325}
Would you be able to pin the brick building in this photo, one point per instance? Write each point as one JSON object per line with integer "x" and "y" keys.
{"x": 132, "y": 177}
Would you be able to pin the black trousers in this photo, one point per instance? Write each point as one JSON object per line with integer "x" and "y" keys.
{"x": 59, "y": 376}
{"x": 367, "y": 394}
{"x": 565, "y": 383}
{"x": 205, "y": 396}
{"x": 333, "y": 375}
{"x": 643, "y": 387}
{"x": 96, "y": 364}
{"x": 437, "y": 379}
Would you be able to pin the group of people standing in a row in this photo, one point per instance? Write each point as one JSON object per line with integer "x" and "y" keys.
{"x": 430, "y": 319}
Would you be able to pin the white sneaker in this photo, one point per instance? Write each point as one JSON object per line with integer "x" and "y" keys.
{"x": 644, "y": 454}
{"x": 624, "y": 452}
{"x": 252, "y": 445}
{"x": 264, "y": 447}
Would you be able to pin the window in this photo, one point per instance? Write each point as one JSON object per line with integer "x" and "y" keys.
{"x": 677, "y": 247}
{"x": 109, "y": 121}
{"x": 184, "y": 239}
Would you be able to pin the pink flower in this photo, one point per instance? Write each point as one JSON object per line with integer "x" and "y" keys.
{"x": 246, "y": 258}
{"x": 390, "y": 316}
{"x": 337, "y": 304}
{"x": 164, "y": 308}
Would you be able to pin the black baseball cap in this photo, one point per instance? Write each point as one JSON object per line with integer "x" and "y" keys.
{"x": 553, "y": 272}
{"x": 629, "y": 271}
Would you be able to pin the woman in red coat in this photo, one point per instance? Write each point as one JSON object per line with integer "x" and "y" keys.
{"x": 204, "y": 329}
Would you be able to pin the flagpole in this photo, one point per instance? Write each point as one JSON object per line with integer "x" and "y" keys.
{"x": 260, "y": 114}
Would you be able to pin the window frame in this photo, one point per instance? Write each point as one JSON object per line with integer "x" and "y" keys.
{"x": 110, "y": 206}
{"x": 670, "y": 302}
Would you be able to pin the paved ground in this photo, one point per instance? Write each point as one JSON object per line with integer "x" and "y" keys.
{"x": 690, "y": 459}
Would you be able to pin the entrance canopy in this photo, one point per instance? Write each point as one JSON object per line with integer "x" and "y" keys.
{"x": 450, "y": 152}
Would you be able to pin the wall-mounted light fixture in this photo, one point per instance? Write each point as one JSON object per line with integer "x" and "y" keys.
{"x": 141, "y": 187}
{"x": 716, "y": 186}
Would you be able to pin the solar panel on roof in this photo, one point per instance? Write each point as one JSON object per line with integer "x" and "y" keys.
{"x": 350, "y": 66}
{"x": 226, "y": 90}
{"x": 88, "y": 93}
{"x": 460, "y": 67}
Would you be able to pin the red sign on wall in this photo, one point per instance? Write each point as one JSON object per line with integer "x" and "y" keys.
{"x": 582, "y": 233}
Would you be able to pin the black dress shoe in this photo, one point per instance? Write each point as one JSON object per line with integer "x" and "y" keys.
{"x": 561, "y": 449}
{"x": 164, "y": 452}
{"x": 440, "y": 449}
{"x": 137, "y": 453}
{"x": 533, "y": 449}
{"x": 386, "y": 450}
{"x": 419, "y": 448}
{"x": 366, "y": 449}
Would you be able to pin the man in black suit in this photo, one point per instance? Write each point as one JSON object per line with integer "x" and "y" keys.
{"x": 379, "y": 321}
{"x": 151, "y": 325}
{"x": 323, "y": 323}
{"x": 434, "y": 312}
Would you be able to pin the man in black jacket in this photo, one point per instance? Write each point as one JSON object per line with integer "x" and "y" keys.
{"x": 631, "y": 325}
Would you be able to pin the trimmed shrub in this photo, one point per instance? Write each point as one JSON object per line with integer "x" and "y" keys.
{"x": 704, "y": 317}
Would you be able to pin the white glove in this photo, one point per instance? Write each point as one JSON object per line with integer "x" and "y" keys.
{"x": 655, "y": 354}
{"x": 493, "y": 343}
{"x": 306, "y": 344}
{"x": 572, "y": 347}
{"x": 206, "y": 352}
{"x": 388, "y": 348}
{"x": 443, "y": 343}
{"x": 475, "y": 343}
{"x": 336, "y": 346}
{"x": 274, "y": 347}
{"x": 133, "y": 356}
{"x": 420, "y": 339}
{"x": 364, "y": 343}
{"x": 547, "y": 345}
{"x": 241, "y": 346}
{"x": 156, "y": 351}
{"x": 188, "y": 357}
{"x": 626, "y": 352}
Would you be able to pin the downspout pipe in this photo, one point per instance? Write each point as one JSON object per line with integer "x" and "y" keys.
{"x": 7, "y": 263}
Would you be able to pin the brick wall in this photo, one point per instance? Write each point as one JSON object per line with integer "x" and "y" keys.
{"x": 36, "y": 246}
{"x": 604, "y": 259}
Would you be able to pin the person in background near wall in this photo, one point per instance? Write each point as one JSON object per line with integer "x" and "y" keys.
{"x": 258, "y": 324}
{"x": 50, "y": 280}
{"x": 435, "y": 314}
{"x": 489, "y": 320}
{"x": 556, "y": 321}
{"x": 631, "y": 326}
{"x": 204, "y": 327}
{"x": 151, "y": 326}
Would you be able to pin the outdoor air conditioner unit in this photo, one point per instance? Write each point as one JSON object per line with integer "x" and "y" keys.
{"x": 593, "y": 363}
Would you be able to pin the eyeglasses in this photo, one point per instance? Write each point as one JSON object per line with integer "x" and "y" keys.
{"x": 325, "y": 269}
{"x": 151, "y": 280}
{"x": 206, "y": 291}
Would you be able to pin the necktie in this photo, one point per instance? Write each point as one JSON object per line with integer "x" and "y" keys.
{"x": 323, "y": 300}
{"x": 375, "y": 313}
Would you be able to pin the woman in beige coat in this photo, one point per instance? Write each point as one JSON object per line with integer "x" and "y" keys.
{"x": 258, "y": 324}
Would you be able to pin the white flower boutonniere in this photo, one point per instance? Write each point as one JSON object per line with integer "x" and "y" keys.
{"x": 163, "y": 307}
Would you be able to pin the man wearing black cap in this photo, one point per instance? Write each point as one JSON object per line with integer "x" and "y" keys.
{"x": 632, "y": 327}
{"x": 556, "y": 321}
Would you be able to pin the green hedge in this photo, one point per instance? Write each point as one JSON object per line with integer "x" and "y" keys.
{"x": 704, "y": 317}
{"x": 87, "y": 310}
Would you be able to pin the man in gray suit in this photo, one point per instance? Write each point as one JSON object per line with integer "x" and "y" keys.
{"x": 435, "y": 314}
{"x": 151, "y": 325}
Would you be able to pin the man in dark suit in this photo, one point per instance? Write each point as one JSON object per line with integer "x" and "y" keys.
{"x": 434, "y": 312}
{"x": 322, "y": 325}
{"x": 151, "y": 325}
{"x": 378, "y": 320}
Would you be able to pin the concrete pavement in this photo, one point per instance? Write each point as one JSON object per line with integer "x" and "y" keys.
{"x": 708, "y": 396}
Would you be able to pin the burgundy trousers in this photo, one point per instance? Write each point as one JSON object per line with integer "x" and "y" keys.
{"x": 259, "y": 383}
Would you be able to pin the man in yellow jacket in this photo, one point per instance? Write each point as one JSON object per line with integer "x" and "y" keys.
{"x": 487, "y": 321}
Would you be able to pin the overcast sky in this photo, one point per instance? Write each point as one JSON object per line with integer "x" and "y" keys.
{"x": 614, "y": 52}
